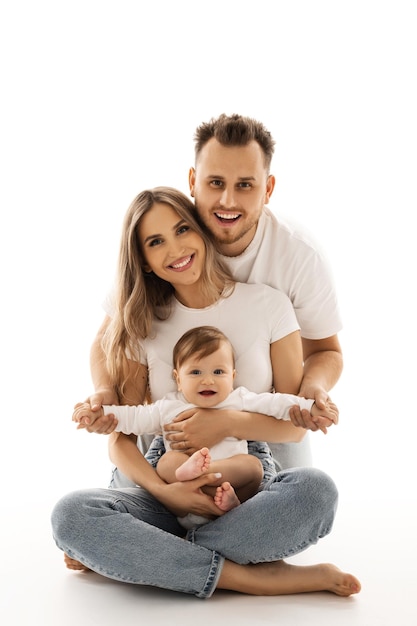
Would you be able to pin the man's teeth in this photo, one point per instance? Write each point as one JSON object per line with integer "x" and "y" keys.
{"x": 228, "y": 216}
{"x": 182, "y": 263}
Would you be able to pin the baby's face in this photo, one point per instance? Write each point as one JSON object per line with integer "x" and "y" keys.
{"x": 208, "y": 380}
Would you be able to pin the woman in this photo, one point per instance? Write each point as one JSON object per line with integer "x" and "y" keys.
{"x": 169, "y": 281}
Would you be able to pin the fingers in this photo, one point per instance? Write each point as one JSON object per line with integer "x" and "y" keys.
{"x": 302, "y": 418}
{"x": 206, "y": 479}
{"x": 104, "y": 425}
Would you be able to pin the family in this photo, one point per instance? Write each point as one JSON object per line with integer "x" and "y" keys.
{"x": 220, "y": 333}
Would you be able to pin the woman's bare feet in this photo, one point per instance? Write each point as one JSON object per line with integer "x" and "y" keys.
{"x": 195, "y": 466}
{"x": 281, "y": 578}
{"x": 225, "y": 497}
{"x": 75, "y": 565}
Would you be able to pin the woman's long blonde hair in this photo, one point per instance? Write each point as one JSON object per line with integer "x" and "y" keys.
{"x": 142, "y": 296}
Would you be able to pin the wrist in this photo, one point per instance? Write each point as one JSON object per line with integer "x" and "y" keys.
{"x": 107, "y": 395}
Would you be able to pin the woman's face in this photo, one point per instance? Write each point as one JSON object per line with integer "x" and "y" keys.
{"x": 171, "y": 249}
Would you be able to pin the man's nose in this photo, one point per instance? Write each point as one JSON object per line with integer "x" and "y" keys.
{"x": 227, "y": 199}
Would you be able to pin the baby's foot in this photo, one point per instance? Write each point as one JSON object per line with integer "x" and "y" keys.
{"x": 225, "y": 497}
{"x": 195, "y": 466}
{"x": 75, "y": 565}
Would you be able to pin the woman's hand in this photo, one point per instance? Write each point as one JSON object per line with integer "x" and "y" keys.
{"x": 187, "y": 497}
{"x": 195, "y": 428}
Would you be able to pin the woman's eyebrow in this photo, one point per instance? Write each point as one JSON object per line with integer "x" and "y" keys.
{"x": 160, "y": 235}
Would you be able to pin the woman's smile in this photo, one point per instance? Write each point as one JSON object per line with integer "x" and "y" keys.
{"x": 182, "y": 264}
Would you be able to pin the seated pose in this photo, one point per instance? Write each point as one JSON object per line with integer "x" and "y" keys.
{"x": 204, "y": 370}
{"x": 169, "y": 281}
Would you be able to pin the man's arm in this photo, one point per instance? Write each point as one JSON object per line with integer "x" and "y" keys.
{"x": 323, "y": 365}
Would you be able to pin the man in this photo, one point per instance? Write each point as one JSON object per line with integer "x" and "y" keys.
{"x": 231, "y": 184}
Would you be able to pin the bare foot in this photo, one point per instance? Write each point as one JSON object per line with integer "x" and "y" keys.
{"x": 281, "y": 578}
{"x": 75, "y": 565}
{"x": 225, "y": 497}
{"x": 195, "y": 466}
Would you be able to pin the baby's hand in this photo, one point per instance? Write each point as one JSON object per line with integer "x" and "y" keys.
{"x": 84, "y": 415}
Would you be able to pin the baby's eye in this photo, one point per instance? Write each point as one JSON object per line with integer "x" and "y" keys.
{"x": 218, "y": 372}
{"x": 195, "y": 372}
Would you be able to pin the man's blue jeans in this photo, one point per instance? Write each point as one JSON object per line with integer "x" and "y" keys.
{"x": 127, "y": 535}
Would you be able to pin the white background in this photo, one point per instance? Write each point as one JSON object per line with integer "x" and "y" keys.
{"x": 101, "y": 99}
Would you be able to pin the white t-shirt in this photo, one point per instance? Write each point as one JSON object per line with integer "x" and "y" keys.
{"x": 150, "y": 418}
{"x": 252, "y": 317}
{"x": 286, "y": 258}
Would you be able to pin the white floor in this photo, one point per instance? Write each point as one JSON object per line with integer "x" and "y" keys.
{"x": 376, "y": 543}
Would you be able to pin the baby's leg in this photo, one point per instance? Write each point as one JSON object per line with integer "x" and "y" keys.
{"x": 169, "y": 463}
{"x": 196, "y": 465}
{"x": 225, "y": 497}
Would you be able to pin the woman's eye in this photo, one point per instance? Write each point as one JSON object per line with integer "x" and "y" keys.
{"x": 155, "y": 242}
{"x": 183, "y": 229}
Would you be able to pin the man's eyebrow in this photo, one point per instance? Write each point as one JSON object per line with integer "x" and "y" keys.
{"x": 240, "y": 178}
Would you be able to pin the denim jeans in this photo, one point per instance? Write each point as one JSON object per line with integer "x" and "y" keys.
{"x": 127, "y": 535}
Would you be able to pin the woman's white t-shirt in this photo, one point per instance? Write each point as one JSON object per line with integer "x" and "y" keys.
{"x": 252, "y": 317}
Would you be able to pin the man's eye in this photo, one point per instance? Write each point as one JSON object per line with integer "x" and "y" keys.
{"x": 245, "y": 185}
{"x": 216, "y": 183}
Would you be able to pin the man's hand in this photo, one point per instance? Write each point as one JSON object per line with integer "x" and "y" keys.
{"x": 96, "y": 422}
{"x": 322, "y": 403}
{"x": 193, "y": 429}
{"x": 187, "y": 497}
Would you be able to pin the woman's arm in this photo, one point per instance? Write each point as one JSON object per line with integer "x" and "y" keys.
{"x": 180, "y": 497}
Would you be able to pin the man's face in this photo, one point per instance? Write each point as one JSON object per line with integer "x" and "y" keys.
{"x": 230, "y": 186}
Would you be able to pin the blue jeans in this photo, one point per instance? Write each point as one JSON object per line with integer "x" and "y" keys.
{"x": 127, "y": 535}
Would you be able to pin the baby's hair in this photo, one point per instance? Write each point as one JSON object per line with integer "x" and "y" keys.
{"x": 200, "y": 341}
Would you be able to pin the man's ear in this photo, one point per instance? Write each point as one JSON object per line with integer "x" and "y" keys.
{"x": 191, "y": 181}
{"x": 270, "y": 185}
